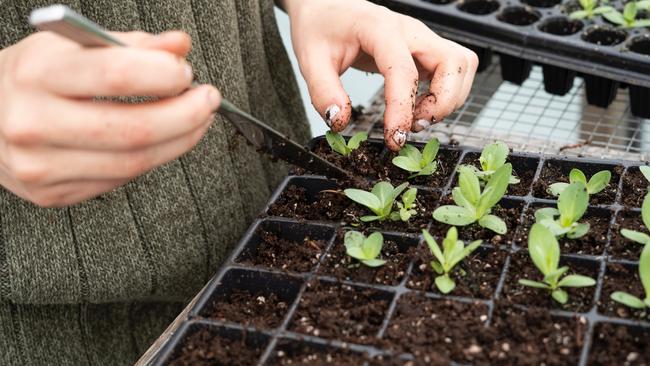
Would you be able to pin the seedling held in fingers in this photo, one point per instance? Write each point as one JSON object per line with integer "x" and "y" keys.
{"x": 364, "y": 249}
{"x": 571, "y": 206}
{"x": 492, "y": 158}
{"x": 474, "y": 205}
{"x": 453, "y": 251}
{"x": 380, "y": 200}
{"x": 544, "y": 250}
{"x": 416, "y": 162}
{"x": 627, "y": 19}
{"x": 644, "y": 273}
{"x": 406, "y": 207}
{"x": 596, "y": 184}
{"x": 590, "y": 9}
{"x": 338, "y": 144}
{"x": 639, "y": 237}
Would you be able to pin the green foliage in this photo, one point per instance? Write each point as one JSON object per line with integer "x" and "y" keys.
{"x": 492, "y": 158}
{"x": 637, "y": 236}
{"x": 416, "y": 162}
{"x": 591, "y": 8}
{"x": 544, "y": 251}
{"x": 597, "y": 183}
{"x": 365, "y": 250}
{"x": 338, "y": 144}
{"x": 571, "y": 206}
{"x": 453, "y": 251}
{"x": 627, "y": 19}
{"x": 474, "y": 205}
{"x": 644, "y": 273}
{"x": 406, "y": 207}
{"x": 380, "y": 200}
{"x": 645, "y": 170}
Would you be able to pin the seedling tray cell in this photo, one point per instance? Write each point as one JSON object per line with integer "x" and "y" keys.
{"x": 289, "y": 293}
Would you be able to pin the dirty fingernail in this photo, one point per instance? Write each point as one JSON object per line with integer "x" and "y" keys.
{"x": 330, "y": 114}
{"x": 399, "y": 137}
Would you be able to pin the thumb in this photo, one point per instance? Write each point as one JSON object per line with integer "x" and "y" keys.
{"x": 176, "y": 42}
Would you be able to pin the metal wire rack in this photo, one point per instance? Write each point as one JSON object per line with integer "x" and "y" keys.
{"x": 529, "y": 119}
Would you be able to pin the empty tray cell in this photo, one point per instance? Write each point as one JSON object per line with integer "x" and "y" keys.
{"x": 478, "y": 7}
{"x": 508, "y": 209}
{"x": 338, "y": 311}
{"x": 438, "y": 331}
{"x": 476, "y": 276}
{"x": 364, "y": 161}
{"x": 514, "y": 69}
{"x": 446, "y": 159}
{"x": 519, "y": 15}
{"x": 560, "y": 25}
{"x": 294, "y": 352}
{"x": 535, "y": 336}
{"x": 395, "y": 251}
{"x": 635, "y": 187}
{"x": 287, "y": 246}
{"x": 523, "y": 167}
{"x": 593, "y": 243}
{"x": 203, "y": 344}
{"x": 613, "y": 344}
{"x": 555, "y": 171}
{"x": 310, "y": 199}
{"x": 620, "y": 246}
{"x": 622, "y": 277}
{"x": 522, "y": 267}
{"x": 258, "y": 299}
{"x": 604, "y": 35}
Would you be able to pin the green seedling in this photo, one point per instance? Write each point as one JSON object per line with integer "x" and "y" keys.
{"x": 571, "y": 206}
{"x": 380, "y": 200}
{"x": 492, "y": 158}
{"x": 595, "y": 184}
{"x": 544, "y": 250}
{"x": 364, "y": 249}
{"x": 416, "y": 162}
{"x": 644, "y": 273}
{"x": 643, "y": 5}
{"x": 645, "y": 170}
{"x": 637, "y": 236}
{"x": 453, "y": 251}
{"x": 474, "y": 205}
{"x": 627, "y": 19}
{"x": 338, "y": 144}
{"x": 406, "y": 207}
{"x": 590, "y": 9}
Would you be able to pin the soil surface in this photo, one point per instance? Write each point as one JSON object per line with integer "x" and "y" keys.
{"x": 338, "y": 264}
{"x": 592, "y": 243}
{"x": 523, "y": 168}
{"x": 342, "y": 312}
{"x": 242, "y": 306}
{"x": 619, "y": 345}
{"x": 482, "y": 270}
{"x": 635, "y": 187}
{"x": 365, "y": 161}
{"x": 508, "y": 210}
{"x": 295, "y": 203}
{"x": 621, "y": 278}
{"x": 206, "y": 348}
{"x": 521, "y": 266}
{"x": 294, "y": 353}
{"x": 620, "y": 246}
{"x": 558, "y": 171}
{"x": 288, "y": 255}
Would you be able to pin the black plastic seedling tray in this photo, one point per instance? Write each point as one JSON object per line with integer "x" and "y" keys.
{"x": 308, "y": 307}
{"x": 539, "y": 31}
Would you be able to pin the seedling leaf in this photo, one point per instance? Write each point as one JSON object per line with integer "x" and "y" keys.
{"x": 469, "y": 185}
{"x": 407, "y": 164}
{"x": 576, "y": 175}
{"x": 494, "y": 156}
{"x": 556, "y": 188}
{"x": 493, "y": 223}
{"x": 644, "y": 270}
{"x": 628, "y": 300}
{"x": 560, "y": 296}
{"x": 365, "y": 250}
{"x": 645, "y": 211}
{"x": 430, "y": 150}
{"x": 572, "y": 203}
{"x": 364, "y": 198}
{"x": 356, "y": 140}
{"x": 599, "y": 181}
{"x": 452, "y": 253}
{"x": 645, "y": 170}
{"x": 576, "y": 281}
{"x": 420, "y": 163}
{"x": 543, "y": 248}
{"x": 336, "y": 142}
{"x": 579, "y": 230}
{"x": 445, "y": 284}
{"x": 454, "y": 215}
{"x": 534, "y": 284}
{"x": 636, "y": 236}
{"x": 494, "y": 189}
{"x": 374, "y": 262}
{"x": 629, "y": 11}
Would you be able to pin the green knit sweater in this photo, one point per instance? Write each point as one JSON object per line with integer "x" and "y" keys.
{"x": 97, "y": 282}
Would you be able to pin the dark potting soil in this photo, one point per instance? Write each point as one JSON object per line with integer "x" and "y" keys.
{"x": 294, "y": 203}
{"x": 621, "y": 247}
{"x": 294, "y": 353}
{"x": 554, "y": 172}
{"x": 522, "y": 267}
{"x": 522, "y": 167}
{"x": 206, "y": 348}
{"x": 284, "y": 254}
{"x": 447, "y": 160}
{"x": 482, "y": 270}
{"x": 341, "y": 312}
{"x": 338, "y": 264}
{"x": 243, "y": 307}
{"x": 635, "y": 187}
{"x": 619, "y": 345}
{"x": 621, "y": 278}
{"x": 509, "y": 211}
{"x": 592, "y": 243}
{"x": 364, "y": 161}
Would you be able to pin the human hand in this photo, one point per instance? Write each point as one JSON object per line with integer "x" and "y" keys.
{"x": 329, "y": 36}
{"x": 59, "y": 147}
